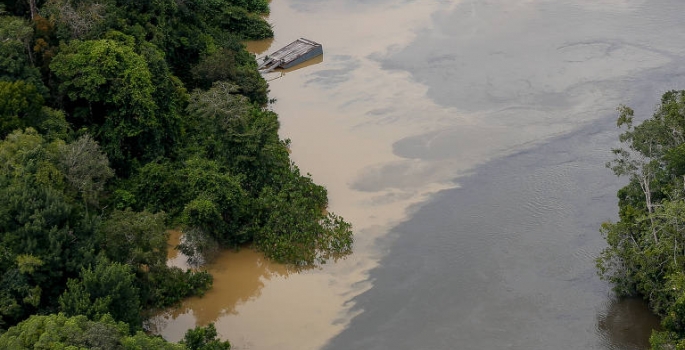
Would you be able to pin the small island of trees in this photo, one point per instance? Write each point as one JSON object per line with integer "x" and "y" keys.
{"x": 120, "y": 119}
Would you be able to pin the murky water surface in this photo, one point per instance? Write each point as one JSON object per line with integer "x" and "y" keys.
{"x": 465, "y": 141}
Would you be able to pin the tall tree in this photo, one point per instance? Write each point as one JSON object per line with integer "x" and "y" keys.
{"x": 16, "y": 58}
{"x": 646, "y": 247}
{"x": 21, "y": 106}
{"x": 85, "y": 168}
{"x": 40, "y": 223}
{"x": 110, "y": 89}
{"x": 109, "y": 288}
{"x": 136, "y": 239}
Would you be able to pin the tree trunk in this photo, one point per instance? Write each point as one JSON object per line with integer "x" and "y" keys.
{"x": 645, "y": 184}
{"x": 34, "y": 8}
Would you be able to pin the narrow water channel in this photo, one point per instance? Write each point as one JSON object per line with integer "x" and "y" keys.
{"x": 465, "y": 141}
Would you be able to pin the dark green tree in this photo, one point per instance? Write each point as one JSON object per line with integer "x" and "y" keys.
{"x": 204, "y": 338}
{"x": 110, "y": 92}
{"x": 85, "y": 168}
{"x": 226, "y": 127}
{"x": 40, "y": 222}
{"x": 646, "y": 247}
{"x": 138, "y": 239}
{"x": 16, "y": 53}
{"x": 21, "y": 106}
{"x": 230, "y": 65}
{"x": 108, "y": 288}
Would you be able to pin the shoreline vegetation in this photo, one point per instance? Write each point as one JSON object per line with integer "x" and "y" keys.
{"x": 120, "y": 119}
{"x": 645, "y": 256}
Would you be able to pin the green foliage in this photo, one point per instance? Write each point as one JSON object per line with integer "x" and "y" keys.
{"x": 16, "y": 61}
{"x": 76, "y": 19}
{"x": 230, "y": 16}
{"x": 250, "y": 25}
{"x": 166, "y": 286}
{"x": 17, "y": 296}
{"x": 189, "y": 30}
{"x": 109, "y": 288}
{"x": 40, "y": 222}
{"x": 129, "y": 100}
{"x": 54, "y": 125}
{"x": 104, "y": 148}
{"x": 245, "y": 138}
{"x": 123, "y": 199}
{"x": 85, "y": 168}
{"x": 170, "y": 98}
{"x": 20, "y": 106}
{"x": 105, "y": 71}
{"x": 204, "y": 338}
{"x": 156, "y": 187}
{"x": 111, "y": 92}
{"x": 294, "y": 226}
{"x": 666, "y": 341}
{"x": 28, "y": 263}
{"x": 257, "y": 6}
{"x": 646, "y": 247}
{"x": 57, "y": 331}
{"x": 227, "y": 65}
{"x": 203, "y": 213}
{"x": 138, "y": 239}
{"x": 142, "y": 341}
{"x": 207, "y": 194}
{"x": 218, "y": 200}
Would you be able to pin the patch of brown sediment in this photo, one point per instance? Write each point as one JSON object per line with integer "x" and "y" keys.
{"x": 238, "y": 278}
{"x": 259, "y": 47}
{"x": 343, "y": 117}
{"x": 174, "y": 257}
{"x": 627, "y": 324}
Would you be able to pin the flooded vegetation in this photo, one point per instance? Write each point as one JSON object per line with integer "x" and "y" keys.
{"x": 466, "y": 142}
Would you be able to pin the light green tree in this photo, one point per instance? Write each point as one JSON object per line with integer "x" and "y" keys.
{"x": 59, "y": 332}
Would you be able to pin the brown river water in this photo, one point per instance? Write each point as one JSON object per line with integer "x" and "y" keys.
{"x": 465, "y": 141}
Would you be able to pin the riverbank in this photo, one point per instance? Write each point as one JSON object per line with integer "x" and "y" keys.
{"x": 416, "y": 95}
{"x": 356, "y": 141}
{"x": 506, "y": 261}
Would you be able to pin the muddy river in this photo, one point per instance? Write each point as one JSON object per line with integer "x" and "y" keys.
{"x": 465, "y": 140}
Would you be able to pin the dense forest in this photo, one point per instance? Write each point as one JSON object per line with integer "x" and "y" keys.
{"x": 121, "y": 119}
{"x": 646, "y": 246}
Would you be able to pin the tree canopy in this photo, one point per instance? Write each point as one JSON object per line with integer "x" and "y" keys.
{"x": 120, "y": 119}
{"x": 58, "y": 331}
{"x": 646, "y": 246}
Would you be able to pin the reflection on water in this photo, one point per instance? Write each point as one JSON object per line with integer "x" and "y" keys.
{"x": 626, "y": 324}
{"x": 175, "y": 257}
{"x": 238, "y": 278}
{"x": 280, "y": 73}
{"x": 259, "y": 47}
